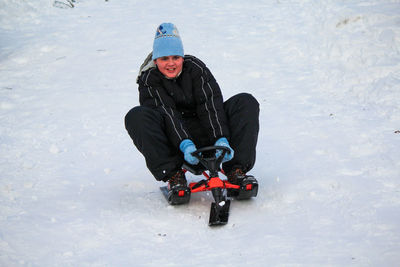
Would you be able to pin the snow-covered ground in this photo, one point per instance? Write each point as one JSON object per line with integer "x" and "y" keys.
{"x": 75, "y": 192}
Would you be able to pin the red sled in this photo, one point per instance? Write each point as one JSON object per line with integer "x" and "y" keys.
{"x": 221, "y": 190}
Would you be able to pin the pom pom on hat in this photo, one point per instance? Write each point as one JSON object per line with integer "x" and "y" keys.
{"x": 167, "y": 41}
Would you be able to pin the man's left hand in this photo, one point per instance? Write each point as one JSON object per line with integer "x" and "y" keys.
{"x": 224, "y": 142}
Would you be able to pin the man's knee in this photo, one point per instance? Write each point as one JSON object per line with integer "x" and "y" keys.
{"x": 242, "y": 101}
{"x": 139, "y": 115}
{"x": 248, "y": 99}
{"x": 132, "y": 115}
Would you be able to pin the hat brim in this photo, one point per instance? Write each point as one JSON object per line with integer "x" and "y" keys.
{"x": 167, "y": 46}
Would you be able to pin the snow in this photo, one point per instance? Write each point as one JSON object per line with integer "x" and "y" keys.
{"x": 75, "y": 192}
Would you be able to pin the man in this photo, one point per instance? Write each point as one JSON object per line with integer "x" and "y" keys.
{"x": 182, "y": 109}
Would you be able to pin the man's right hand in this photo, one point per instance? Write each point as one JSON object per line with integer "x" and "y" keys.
{"x": 188, "y": 147}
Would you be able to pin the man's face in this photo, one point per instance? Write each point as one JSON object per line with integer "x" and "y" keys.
{"x": 170, "y": 66}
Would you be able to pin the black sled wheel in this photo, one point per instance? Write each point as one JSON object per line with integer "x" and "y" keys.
{"x": 248, "y": 189}
{"x": 176, "y": 196}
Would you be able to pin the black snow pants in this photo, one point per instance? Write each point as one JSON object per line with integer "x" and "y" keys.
{"x": 146, "y": 128}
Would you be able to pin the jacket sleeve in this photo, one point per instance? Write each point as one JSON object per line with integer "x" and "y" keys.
{"x": 154, "y": 96}
{"x": 209, "y": 100}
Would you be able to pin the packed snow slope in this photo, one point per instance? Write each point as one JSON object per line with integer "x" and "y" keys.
{"x": 74, "y": 191}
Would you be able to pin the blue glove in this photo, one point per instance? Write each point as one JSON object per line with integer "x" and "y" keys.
{"x": 187, "y": 147}
{"x": 228, "y": 155}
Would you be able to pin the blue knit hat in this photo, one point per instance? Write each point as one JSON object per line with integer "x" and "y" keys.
{"x": 167, "y": 41}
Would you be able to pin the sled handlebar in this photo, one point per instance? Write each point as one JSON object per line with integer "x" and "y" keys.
{"x": 199, "y": 152}
{"x": 208, "y": 159}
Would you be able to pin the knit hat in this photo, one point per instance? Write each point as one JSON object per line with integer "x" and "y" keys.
{"x": 167, "y": 41}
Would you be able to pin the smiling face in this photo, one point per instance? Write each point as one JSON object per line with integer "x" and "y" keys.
{"x": 170, "y": 66}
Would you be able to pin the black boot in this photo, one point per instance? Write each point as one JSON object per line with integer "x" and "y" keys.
{"x": 235, "y": 176}
{"x": 178, "y": 191}
{"x": 248, "y": 184}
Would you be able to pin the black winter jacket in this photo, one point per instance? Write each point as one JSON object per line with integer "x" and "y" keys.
{"x": 194, "y": 93}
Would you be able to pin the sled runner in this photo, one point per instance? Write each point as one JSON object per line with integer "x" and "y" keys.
{"x": 221, "y": 190}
